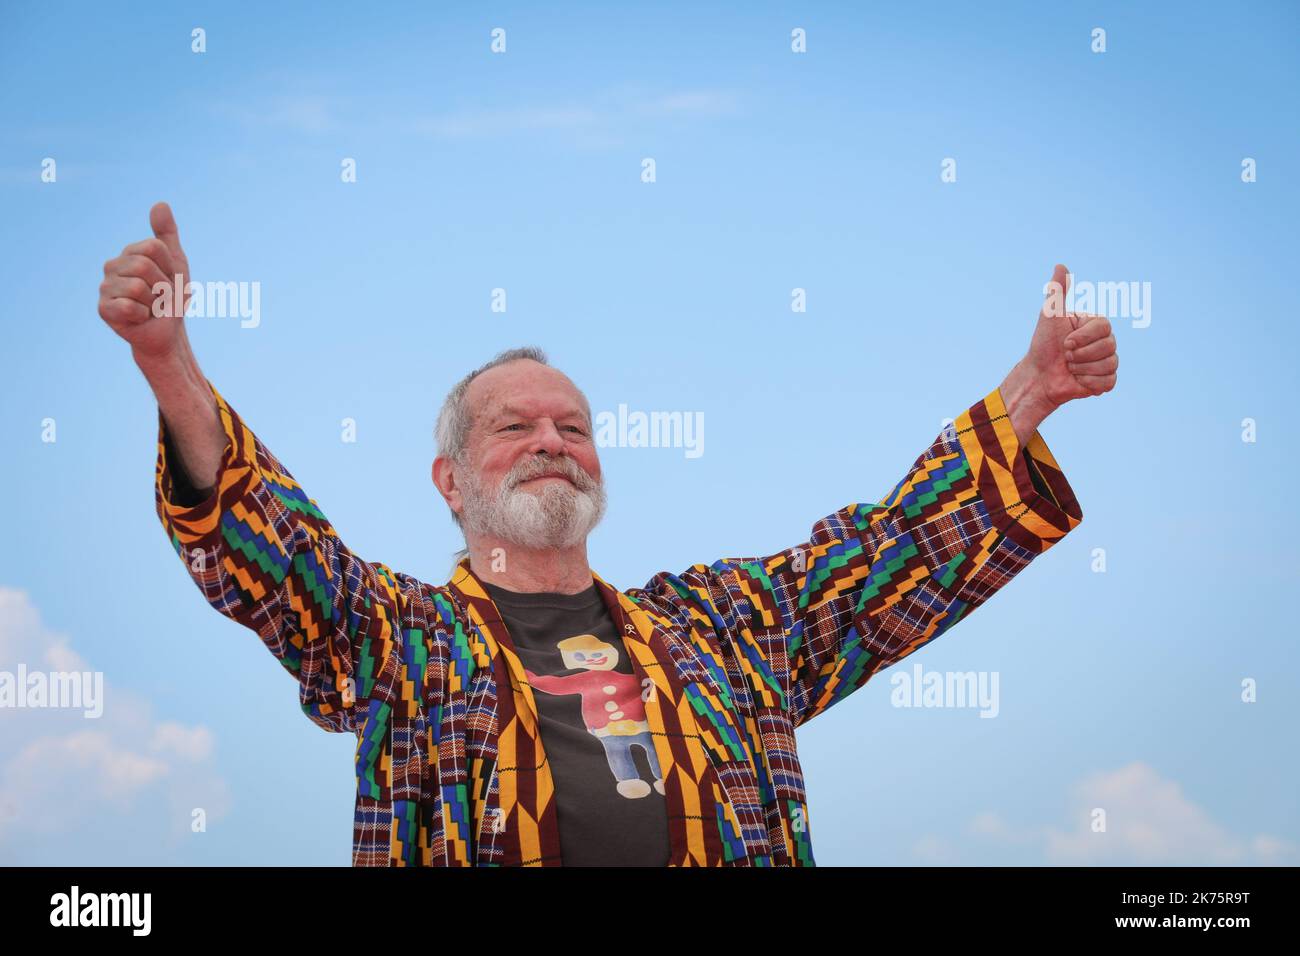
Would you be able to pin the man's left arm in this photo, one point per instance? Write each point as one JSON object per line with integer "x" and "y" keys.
{"x": 874, "y": 582}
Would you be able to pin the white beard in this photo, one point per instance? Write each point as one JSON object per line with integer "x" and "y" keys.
{"x": 554, "y": 515}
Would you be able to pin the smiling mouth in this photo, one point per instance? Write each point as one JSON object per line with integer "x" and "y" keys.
{"x": 544, "y": 477}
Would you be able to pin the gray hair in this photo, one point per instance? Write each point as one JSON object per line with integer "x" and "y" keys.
{"x": 456, "y": 418}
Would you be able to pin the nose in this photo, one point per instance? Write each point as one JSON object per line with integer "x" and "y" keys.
{"x": 547, "y": 438}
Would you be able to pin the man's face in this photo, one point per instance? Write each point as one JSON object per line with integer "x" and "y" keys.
{"x": 532, "y": 475}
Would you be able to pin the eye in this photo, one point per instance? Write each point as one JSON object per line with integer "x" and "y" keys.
{"x": 515, "y": 425}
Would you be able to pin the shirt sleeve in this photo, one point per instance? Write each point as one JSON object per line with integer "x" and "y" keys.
{"x": 264, "y": 555}
{"x": 874, "y": 582}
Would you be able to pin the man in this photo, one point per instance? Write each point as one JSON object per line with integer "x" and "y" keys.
{"x": 528, "y": 713}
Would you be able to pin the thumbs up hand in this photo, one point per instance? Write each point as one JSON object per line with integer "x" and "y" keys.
{"x": 1072, "y": 354}
{"x": 145, "y": 291}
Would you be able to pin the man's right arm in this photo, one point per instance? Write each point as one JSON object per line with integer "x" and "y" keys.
{"x": 264, "y": 555}
{"x": 257, "y": 546}
{"x": 142, "y": 299}
{"x": 189, "y": 409}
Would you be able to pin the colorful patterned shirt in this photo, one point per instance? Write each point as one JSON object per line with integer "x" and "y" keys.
{"x": 450, "y": 764}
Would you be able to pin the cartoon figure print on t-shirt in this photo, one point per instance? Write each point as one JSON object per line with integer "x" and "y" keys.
{"x": 612, "y": 707}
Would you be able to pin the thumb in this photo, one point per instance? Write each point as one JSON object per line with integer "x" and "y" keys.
{"x": 163, "y": 224}
{"x": 1057, "y": 286}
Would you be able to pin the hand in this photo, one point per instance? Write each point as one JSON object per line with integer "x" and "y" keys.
{"x": 1072, "y": 355}
{"x": 152, "y": 320}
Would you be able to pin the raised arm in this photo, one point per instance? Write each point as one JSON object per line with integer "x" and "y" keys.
{"x": 143, "y": 298}
{"x": 805, "y": 627}
{"x": 257, "y": 546}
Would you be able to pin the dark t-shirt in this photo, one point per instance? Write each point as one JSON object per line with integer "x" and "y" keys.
{"x": 593, "y": 726}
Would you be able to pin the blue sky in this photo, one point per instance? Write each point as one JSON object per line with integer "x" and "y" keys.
{"x": 774, "y": 171}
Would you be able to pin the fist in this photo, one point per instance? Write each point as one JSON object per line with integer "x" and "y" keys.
{"x": 141, "y": 298}
{"x": 1072, "y": 354}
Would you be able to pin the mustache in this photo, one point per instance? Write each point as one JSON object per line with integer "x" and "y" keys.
{"x": 564, "y": 467}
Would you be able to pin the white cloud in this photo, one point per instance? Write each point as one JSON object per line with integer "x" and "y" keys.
{"x": 1149, "y": 822}
{"x": 192, "y": 743}
{"x": 100, "y": 766}
{"x": 60, "y": 772}
{"x": 934, "y": 851}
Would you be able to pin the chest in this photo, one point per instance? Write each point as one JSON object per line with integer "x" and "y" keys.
{"x": 452, "y": 744}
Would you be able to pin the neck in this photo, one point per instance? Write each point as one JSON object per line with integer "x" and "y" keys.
{"x": 516, "y": 568}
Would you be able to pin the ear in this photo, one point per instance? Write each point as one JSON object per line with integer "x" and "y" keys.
{"x": 444, "y": 479}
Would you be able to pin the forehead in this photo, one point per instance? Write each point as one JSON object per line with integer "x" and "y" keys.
{"x": 523, "y": 388}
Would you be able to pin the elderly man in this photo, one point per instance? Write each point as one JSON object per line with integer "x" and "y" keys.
{"x": 529, "y": 713}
